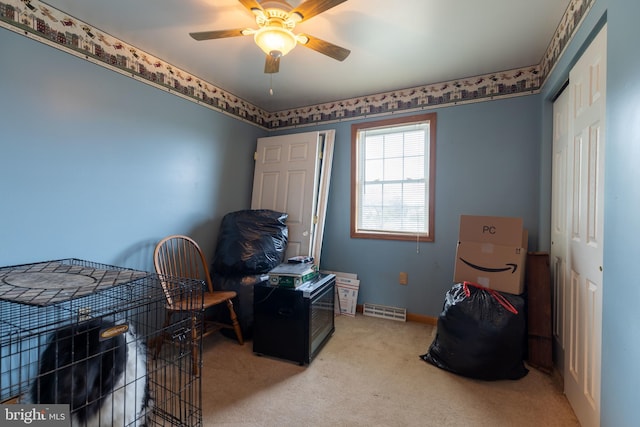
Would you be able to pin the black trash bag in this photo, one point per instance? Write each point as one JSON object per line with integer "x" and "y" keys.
{"x": 250, "y": 242}
{"x": 481, "y": 334}
{"x": 242, "y": 305}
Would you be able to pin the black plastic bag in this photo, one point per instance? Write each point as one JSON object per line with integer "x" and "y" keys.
{"x": 250, "y": 242}
{"x": 243, "y": 286}
{"x": 481, "y": 334}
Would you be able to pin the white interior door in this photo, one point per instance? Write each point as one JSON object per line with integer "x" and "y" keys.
{"x": 559, "y": 220}
{"x": 286, "y": 180}
{"x": 585, "y": 208}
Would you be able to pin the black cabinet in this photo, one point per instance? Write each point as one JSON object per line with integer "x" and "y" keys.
{"x": 293, "y": 324}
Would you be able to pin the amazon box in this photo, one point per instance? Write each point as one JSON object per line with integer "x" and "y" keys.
{"x": 492, "y": 252}
{"x": 498, "y": 230}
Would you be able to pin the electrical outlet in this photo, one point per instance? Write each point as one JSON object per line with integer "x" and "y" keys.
{"x": 404, "y": 278}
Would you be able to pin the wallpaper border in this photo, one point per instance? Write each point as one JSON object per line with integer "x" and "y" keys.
{"x": 39, "y": 21}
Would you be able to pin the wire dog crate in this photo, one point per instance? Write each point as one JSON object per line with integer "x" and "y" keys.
{"x": 85, "y": 334}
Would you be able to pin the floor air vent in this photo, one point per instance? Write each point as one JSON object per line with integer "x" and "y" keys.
{"x": 385, "y": 312}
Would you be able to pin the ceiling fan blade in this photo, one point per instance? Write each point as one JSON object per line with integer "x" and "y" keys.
{"x": 252, "y": 5}
{"x": 326, "y": 48}
{"x": 272, "y": 64}
{"x": 310, "y": 8}
{"x": 220, "y": 34}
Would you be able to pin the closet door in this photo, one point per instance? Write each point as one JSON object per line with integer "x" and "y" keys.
{"x": 585, "y": 213}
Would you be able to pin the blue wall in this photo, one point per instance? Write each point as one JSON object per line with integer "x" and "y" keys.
{"x": 487, "y": 163}
{"x": 621, "y": 319}
{"x": 97, "y": 166}
{"x": 621, "y": 293}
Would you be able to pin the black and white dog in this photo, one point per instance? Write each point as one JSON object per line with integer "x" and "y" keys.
{"x": 98, "y": 368}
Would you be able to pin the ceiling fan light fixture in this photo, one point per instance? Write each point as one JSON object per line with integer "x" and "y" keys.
{"x": 275, "y": 39}
{"x": 276, "y": 20}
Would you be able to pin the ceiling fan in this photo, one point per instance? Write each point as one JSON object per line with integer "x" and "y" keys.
{"x": 276, "y": 20}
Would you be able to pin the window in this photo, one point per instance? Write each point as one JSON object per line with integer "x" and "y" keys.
{"x": 392, "y": 178}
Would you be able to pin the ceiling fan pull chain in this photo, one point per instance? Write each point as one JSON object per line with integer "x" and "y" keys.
{"x": 271, "y": 84}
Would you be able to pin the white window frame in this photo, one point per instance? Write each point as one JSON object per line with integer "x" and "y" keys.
{"x": 423, "y": 231}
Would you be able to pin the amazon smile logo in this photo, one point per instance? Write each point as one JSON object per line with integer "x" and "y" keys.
{"x": 507, "y": 267}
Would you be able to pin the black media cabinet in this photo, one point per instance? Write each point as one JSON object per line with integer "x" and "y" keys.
{"x": 293, "y": 324}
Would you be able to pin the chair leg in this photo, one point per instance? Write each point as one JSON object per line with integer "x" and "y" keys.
{"x": 234, "y": 322}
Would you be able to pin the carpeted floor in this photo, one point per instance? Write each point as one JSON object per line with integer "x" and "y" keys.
{"x": 368, "y": 374}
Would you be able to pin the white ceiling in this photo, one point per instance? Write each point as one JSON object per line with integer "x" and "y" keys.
{"x": 394, "y": 44}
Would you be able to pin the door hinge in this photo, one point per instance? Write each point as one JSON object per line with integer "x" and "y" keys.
{"x": 255, "y": 155}
{"x": 315, "y": 219}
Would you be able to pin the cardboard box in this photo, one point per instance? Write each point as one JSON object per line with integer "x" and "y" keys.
{"x": 498, "y": 230}
{"x": 346, "y": 292}
{"x": 292, "y": 275}
{"x": 493, "y": 266}
{"x": 347, "y": 299}
{"x": 492, "y": 252}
